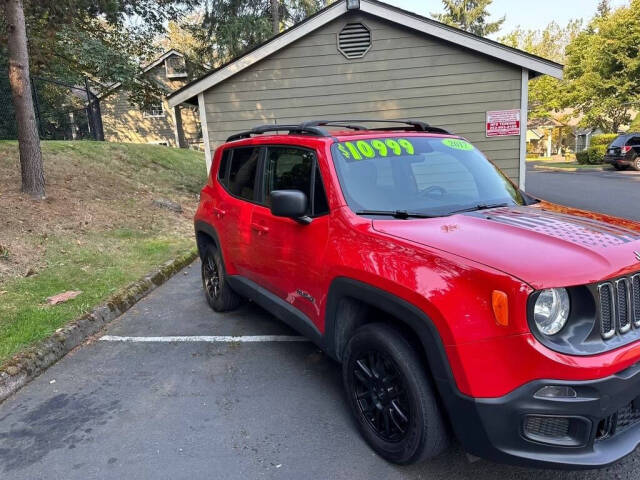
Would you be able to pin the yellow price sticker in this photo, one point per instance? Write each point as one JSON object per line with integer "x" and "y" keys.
{"x": 378, "y": 147}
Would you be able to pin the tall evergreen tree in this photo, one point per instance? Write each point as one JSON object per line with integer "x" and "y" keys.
{"x": 604, "y": 8}
{"x": 231, "y": 27}
{"x": 469, "y": 15}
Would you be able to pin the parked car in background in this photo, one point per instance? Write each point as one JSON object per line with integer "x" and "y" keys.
{"x": 624, "y": 151}
{"x": 457, "y": 304}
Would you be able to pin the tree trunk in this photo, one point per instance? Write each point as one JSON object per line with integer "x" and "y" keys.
{"x": 275, "y": 16}
{"x": 28, "y": 139}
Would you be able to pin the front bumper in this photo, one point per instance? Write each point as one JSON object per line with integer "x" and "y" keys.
{"x": 598, "y": 427}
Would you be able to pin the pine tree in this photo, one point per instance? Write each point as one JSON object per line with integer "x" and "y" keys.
{"x": 469, "y": 15}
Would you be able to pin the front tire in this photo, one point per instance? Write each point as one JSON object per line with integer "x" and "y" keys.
{"x": 217, "y": 291}
{"x": 391, "y": 397}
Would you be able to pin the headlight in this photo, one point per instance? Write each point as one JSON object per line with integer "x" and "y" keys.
{"x": 551, "y": 310}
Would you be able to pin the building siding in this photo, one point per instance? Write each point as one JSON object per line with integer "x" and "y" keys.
{"x": 125, "y": 122}
{"x": 404, "y": 75}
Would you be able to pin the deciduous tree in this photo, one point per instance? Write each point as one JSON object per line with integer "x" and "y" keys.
{"x": 31, "y": 166}
{"x": 603, "y": 68}
{"x": 546, "y": 94}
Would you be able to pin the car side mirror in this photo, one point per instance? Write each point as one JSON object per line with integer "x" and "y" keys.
{"x": 290, "y": 204}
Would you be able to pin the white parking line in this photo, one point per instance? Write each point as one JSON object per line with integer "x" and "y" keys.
{"x": 206, "y": 339}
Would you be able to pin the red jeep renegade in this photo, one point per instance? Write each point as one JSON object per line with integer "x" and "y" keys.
{"x": 456, "y": 303}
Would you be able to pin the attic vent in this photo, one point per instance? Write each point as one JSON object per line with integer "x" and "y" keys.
{"x": 354, "y": 40}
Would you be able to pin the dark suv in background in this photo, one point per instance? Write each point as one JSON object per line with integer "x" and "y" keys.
{"x": 624, "y": 151}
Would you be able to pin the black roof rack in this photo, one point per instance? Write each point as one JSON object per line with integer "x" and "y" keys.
{"x": 313, "y": 127}
{"x": 410, "y": 125}
{"x": 292, "y": 129}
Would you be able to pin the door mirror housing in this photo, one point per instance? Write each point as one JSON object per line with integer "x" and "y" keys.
{"x": 291, "y": 204}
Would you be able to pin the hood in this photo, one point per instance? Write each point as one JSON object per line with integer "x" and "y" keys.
{"x": 545, "y": 245}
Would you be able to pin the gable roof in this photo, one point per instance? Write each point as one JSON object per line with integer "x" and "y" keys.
{"x": 145, "y": 69}
{"x": 491, "y": 48}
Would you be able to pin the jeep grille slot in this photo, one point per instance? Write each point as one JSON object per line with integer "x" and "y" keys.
{"x": 622, "y": 305}
{"x": 607, "y": 323}
{"x": 635, "y": 299}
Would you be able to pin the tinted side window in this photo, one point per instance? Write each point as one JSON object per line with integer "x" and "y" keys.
{"x": 634, "y": 141}
{"x": 224, "y": 165}
{"x": 242, "y": 173}
{"x": 287, "y": 168}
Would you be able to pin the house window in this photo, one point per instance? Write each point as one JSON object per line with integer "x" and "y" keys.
{"x": 176, "y": 67}
{"x": 153, "y": 110}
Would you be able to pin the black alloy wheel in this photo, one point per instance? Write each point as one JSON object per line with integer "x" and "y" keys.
{"x": 381, "y": 395}
{"x": 217, "y": 291}
{"x": 391, "y": 395}
{"x": 211, "y": 277}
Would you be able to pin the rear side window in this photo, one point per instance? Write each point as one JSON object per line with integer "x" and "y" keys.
{"x": 290, "y": 168}
{"x": 224, "y": 168}
{"x": 242, "y": 172}
{"x": 634, "y": 141}
{"x": 619, "y": 142}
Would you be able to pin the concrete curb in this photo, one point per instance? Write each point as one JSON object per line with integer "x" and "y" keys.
{"x": 25, "y": 366}
{"x": 568, "y": 169}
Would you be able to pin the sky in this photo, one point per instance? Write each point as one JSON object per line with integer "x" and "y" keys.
{"x": 529, "y": 14}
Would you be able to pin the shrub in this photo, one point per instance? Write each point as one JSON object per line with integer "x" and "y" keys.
{"x": 592, "y": 155}
{"x": 604, "y": 139}
{"x": 582, "y": 157}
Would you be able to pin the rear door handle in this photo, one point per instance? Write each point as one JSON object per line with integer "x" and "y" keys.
{"x": 219, "y": 212}
{"x": 259, "y": 228}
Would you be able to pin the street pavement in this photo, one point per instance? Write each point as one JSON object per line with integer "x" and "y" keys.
{"x": 215, "y": 409}
{"x": 615, "y": 193}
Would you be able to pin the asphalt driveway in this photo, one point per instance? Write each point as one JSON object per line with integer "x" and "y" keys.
{"x": 608, "y": 191}
{"x": 205, "y": 407}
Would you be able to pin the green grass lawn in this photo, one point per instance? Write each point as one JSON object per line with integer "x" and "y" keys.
{"x": 96, "y": 232}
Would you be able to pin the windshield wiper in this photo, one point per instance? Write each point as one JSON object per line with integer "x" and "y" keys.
{"x": 402, "y": 214}
{"x": 482, "y": 206}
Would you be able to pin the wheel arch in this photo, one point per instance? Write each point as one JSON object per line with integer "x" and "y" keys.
{"x": 205, "y": 234}
{"x": 348, "y": 306}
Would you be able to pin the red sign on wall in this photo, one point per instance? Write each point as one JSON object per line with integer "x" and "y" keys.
{"x": 502, "y": 123}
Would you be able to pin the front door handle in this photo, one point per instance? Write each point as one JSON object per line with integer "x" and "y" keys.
{"x": 219, "y": 212}
{"x": 261, "y": 229}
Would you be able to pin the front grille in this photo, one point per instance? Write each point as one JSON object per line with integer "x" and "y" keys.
{"x": 635, "y": 298}
{"x": 622, "y": 300}
{"x": 625, "y": 418}
{"x": 619, "y": 306}
{"x": 607, "y": 326}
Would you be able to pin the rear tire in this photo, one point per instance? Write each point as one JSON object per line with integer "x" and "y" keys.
{"x": 391, "y": 396}
{"x": 619, "y": 167}
{"x": 217, "y": 291}
{"x": 636, "y": 163}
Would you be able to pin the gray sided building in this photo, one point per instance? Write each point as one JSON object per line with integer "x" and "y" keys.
{"x": 368, "y": 59}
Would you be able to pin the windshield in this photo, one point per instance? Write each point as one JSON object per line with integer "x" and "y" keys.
{"x": 421, "y": 175}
